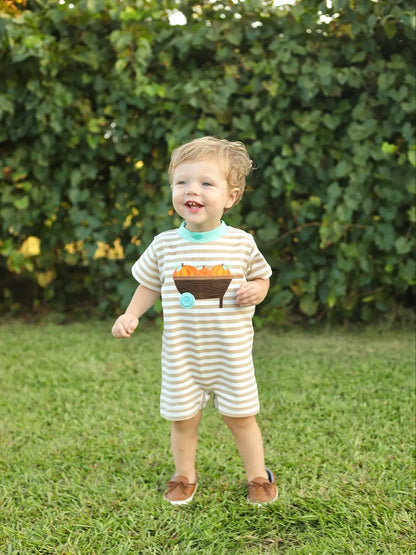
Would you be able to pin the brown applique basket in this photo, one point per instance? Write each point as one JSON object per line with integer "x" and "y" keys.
{"x": 203, "y": 287}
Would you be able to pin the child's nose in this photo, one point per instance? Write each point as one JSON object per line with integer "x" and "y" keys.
{"x": 193, "y": 188}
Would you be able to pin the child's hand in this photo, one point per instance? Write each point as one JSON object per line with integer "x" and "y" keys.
{"x": 252, "y": 292}
{"x": 124, "y": 326}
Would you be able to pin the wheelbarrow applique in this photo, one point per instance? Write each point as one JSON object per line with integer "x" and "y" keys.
{"x": 202, "y": 283}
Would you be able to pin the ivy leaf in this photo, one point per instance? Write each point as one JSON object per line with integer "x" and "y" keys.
{"x": 390, "y": 28}
{"x": 388, "y": 148}
{"x": 342, "y": 169}
{"x": 308, "y": 305}
{"x": 22, "y": 203}
{"x": 403, "y": 245}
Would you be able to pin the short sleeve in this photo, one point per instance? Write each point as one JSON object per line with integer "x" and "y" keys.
{"x": 146, "y": 269}
{"x": 258, "y": 268}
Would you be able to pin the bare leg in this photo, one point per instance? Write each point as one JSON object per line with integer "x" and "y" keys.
{"x": 249, "y": 443}
{"x": 184, "y": 439}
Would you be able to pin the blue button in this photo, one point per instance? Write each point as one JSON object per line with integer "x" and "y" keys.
{"x": 187, "y": 300}
{"x": 197, "y": 236}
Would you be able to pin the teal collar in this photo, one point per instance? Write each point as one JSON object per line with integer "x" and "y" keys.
{"x": 203, "y": 236}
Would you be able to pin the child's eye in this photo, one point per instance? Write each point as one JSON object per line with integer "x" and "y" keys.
{"x": 206, "y": 184}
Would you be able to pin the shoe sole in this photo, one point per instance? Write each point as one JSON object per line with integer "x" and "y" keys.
{"x": 184, "y": 501}
{"x": 263, "y": 504}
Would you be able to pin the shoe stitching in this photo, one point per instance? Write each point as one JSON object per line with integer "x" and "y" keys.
{"x": 173, "y": 484}
{"x": 265, "y": 485}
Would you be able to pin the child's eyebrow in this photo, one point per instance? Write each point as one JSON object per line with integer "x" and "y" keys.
{"x": 200, "y": 177}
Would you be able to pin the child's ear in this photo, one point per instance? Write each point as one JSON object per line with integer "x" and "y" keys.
{"x": 232, "y": 197}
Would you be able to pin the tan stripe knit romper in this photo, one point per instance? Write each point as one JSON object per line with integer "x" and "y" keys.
{"x": 206, "y": 348}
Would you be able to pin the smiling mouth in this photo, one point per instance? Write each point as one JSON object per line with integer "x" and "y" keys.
{"x": 193, "y": 205}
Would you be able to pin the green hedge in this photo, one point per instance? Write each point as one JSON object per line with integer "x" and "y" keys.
{"x": 95, "y": 94}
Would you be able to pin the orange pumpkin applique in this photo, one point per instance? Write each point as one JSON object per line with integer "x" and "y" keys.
{"x": 203, "y": 271}
{"x": 220, "y": 270}
{"x": 185, "y": 270}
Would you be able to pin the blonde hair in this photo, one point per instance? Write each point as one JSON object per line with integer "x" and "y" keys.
{"x": 232, "y": 156}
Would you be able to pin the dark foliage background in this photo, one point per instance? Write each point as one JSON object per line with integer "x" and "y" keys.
{"x": 94, "y": 95}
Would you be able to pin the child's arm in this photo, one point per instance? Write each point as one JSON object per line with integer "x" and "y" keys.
{"x": 253, "y": 292}
{"x": 142, "y": 300}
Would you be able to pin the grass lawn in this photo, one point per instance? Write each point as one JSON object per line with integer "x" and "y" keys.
{"x": 84, "y": 454}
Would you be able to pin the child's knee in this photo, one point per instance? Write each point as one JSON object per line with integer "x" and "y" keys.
{"x": 186, "y": 426}
{"x": 240, "y": 423}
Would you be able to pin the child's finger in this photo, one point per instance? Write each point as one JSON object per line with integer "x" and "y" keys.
{"x": 132, "y": 326}
{"x": 242, "y": 292}
{"x": 244, "y": 287}
{"x": 245, "y": 290}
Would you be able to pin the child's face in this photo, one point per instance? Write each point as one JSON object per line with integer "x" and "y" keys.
{"x": 200, "y": 194}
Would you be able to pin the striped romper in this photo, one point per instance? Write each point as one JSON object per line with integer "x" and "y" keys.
{"x": 207, "y": 342}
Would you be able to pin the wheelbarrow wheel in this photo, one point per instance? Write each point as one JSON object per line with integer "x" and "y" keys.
{"x": 187, "y": 300}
